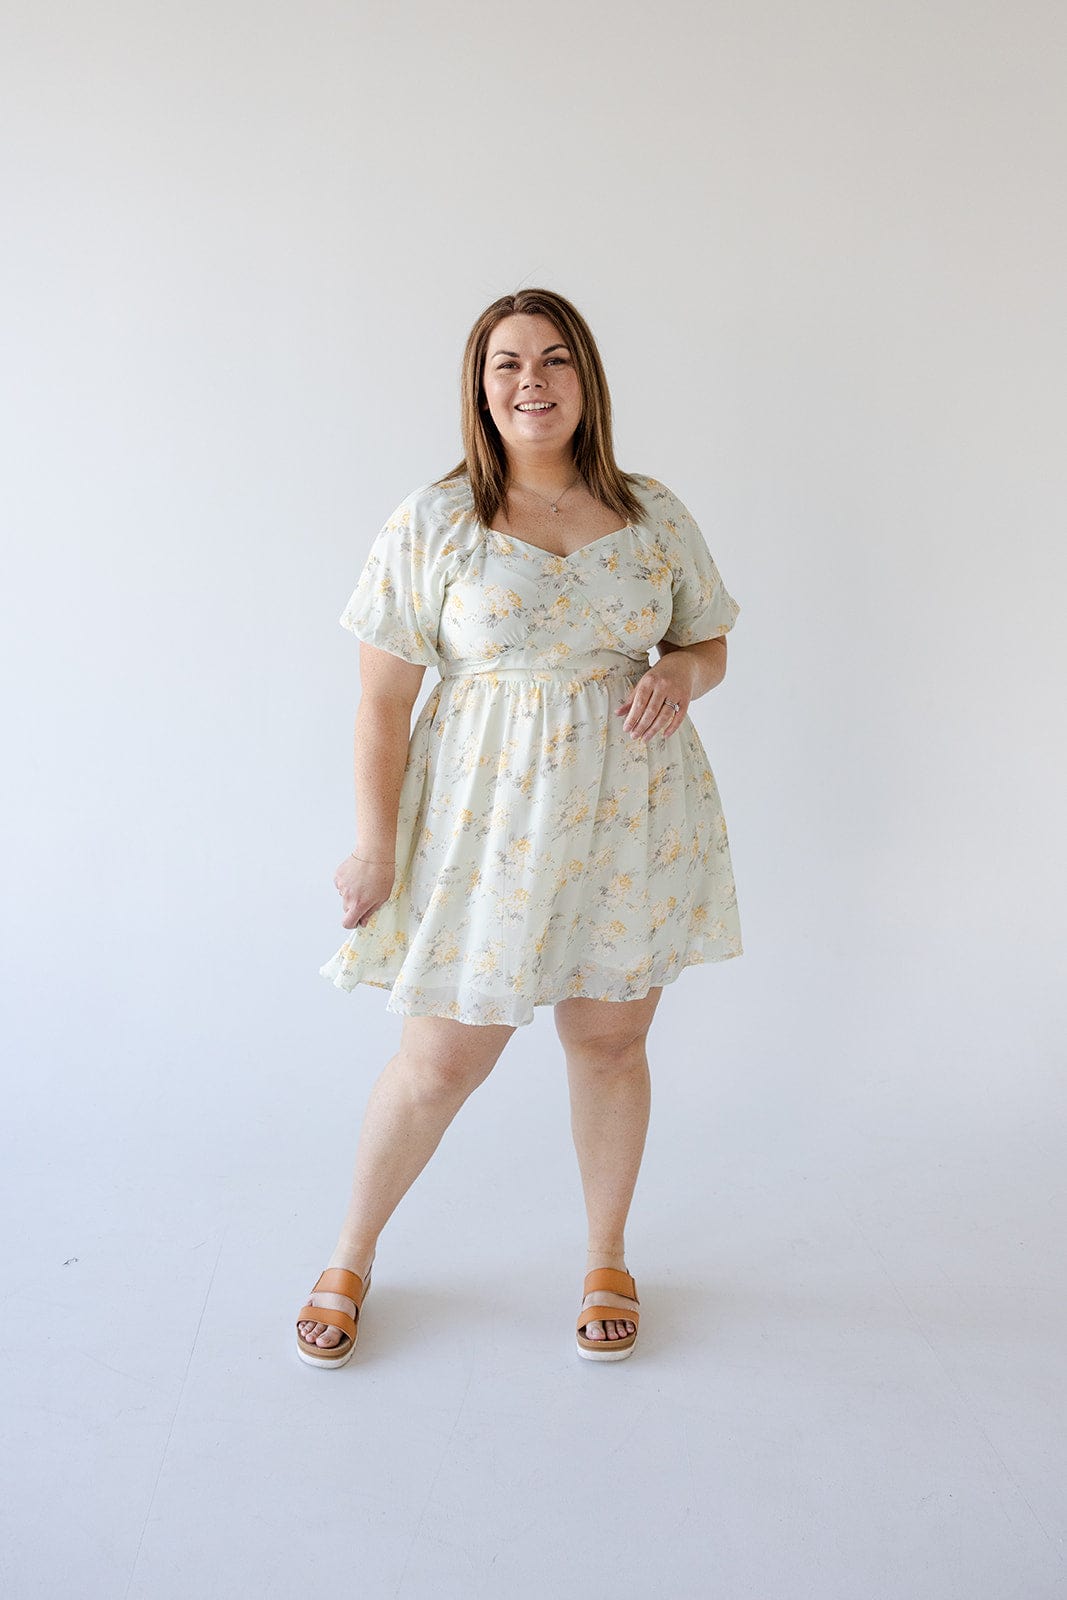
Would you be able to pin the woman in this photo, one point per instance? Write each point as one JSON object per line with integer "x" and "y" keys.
{"x": 550, "y": 833}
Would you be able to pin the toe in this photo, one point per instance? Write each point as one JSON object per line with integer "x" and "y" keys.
{"x": 594, "y": 1330}
{"x": 324, "y": 1334}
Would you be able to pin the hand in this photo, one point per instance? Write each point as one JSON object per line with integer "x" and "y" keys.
{"x": 363, "y": 887}
{"x": 650, "y": 703}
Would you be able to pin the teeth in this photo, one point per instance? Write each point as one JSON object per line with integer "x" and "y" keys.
{"x": 539, "y": 405}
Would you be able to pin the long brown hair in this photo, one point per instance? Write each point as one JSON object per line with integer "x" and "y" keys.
{"x": 485, "y": 458}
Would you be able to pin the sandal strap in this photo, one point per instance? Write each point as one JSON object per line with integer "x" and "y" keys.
{"x": 333, "y": 1319}
{"x": 610, "y": 1278}
{"x": 607, "y": 1314}
{"x": 338, "y": 1280}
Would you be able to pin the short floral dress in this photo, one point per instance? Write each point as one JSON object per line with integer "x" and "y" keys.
{"x": 541, "y": 852}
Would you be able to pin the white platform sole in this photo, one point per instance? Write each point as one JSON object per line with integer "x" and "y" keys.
{"x": 605, "y": 1355}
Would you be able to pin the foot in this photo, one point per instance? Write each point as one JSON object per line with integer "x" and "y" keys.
{"x": 611, "y": 1328}
{"x": 324, "y": 1334}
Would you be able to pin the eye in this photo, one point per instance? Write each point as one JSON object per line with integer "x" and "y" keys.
{"x": 504, "y": 365}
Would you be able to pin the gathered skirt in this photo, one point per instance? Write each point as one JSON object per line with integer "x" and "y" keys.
{"x": 542, "y": 853}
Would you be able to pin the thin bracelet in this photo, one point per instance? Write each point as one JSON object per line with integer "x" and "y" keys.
{"x": 371, "y": 863}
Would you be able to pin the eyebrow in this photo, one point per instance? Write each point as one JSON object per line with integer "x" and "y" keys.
{"x": 515, "y": 353}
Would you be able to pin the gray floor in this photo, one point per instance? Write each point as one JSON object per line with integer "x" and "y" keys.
{"x": 849, "y": 1382}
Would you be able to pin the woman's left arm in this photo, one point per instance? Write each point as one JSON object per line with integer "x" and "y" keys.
{"x": 693, "y": 670}
{"x": 708, "y": 659}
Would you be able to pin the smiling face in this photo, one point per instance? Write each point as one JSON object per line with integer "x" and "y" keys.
{"x": 532, "y": 387}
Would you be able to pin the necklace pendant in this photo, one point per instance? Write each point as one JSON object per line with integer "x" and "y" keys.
{"x": 555, "y": 508}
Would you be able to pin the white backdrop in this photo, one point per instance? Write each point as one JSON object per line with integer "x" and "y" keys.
{"x": 823, "y": 250}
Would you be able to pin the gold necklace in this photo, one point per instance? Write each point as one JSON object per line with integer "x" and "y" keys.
{"x": 554, "y": 504}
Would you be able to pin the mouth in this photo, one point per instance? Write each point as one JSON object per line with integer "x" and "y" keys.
{"x": 535, "y": 407}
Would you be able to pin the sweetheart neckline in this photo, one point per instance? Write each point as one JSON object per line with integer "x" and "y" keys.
{"x": 555, "y": 553}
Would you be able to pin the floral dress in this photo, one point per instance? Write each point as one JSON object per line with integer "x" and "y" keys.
{"x": 541, "y": 852}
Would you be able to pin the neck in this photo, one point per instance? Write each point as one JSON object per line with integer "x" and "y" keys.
{"x": 544, "y": 472}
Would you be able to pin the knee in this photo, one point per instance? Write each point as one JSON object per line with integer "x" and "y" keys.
{"x": 436, "y": 1077}
{"x": 608, "y": 1033}
{"x": 605, "y": 1050}
{"x": 443, "y": 1061}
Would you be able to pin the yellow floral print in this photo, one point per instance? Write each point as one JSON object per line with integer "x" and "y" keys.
{"x": 541, "y": 852}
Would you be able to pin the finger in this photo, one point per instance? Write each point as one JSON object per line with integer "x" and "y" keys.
{"x": 645, "y": 724}
{"x": 639, "y": 719}
{"x": 673, "y": 719}
{"x": 665, "y": 720}
{"x": 639, "y": 716}
{"x": 644, "y": 692}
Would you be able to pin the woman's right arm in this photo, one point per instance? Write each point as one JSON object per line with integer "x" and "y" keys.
{"x": 389, "y": 689}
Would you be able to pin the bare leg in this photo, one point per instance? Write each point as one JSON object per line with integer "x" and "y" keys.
{"x": 610, "y": 1091}
{"x": 439, "y": 1063}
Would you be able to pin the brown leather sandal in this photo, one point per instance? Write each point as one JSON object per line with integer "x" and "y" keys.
{"x": 617, "y": 1283}
{"x": 335, "y": 1280}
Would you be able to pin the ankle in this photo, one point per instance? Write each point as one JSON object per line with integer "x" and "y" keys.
{"x": 615, "y": 1258}
{"x": 357, "y": 1260}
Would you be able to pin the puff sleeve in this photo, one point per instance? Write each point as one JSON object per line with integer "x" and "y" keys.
{"x": 702, "y": 608}
{"x": 396, "y": 605}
